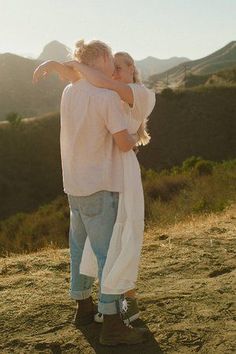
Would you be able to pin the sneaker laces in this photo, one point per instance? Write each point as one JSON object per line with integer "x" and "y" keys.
{"x": 124, "y": 309}
{"x": 125, "y": 305}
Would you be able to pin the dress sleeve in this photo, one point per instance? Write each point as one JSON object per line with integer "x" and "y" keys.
{"x": 144, "y": 102}
{"x": 114, "y": 114}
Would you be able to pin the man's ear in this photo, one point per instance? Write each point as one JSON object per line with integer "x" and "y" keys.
{"x": 105, "y": 57}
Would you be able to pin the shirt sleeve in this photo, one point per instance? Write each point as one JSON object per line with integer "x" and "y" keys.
{"x": 114, "y": 115}
{"x": 144, "y": 102}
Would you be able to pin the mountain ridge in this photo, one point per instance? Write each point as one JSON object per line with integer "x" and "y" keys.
{"x": 151, "y": 65}
{"x": 220, "y": 59}
{"x": 18, "y": 94}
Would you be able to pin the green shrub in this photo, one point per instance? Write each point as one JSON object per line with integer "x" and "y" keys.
{"x": 14, "y": 118}
{"x": 190, "y": 163}
{"x": 164, "y": 187}
{"x": 169, "y": 198}
{"x": 167, "y": 92}
{"x": 176, "y": 170}
{"x": 204, "y": 168}
{"x": 30, "y": 232}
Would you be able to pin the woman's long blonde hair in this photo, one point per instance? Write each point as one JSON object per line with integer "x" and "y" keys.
{"x": 144, "y": 136}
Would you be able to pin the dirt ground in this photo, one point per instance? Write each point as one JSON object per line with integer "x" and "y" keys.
{"x": 186, "y": 293}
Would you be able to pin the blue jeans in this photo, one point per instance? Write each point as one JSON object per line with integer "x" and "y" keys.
{"x": 95, "y": 216}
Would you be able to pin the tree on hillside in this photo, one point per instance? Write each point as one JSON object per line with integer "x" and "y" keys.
{"x": 14, "y": 118}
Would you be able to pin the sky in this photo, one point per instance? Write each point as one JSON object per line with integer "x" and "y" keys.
{"x": 159, "y": 28}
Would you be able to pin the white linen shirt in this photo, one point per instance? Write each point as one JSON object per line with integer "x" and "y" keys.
{"x": 91, "y": 160}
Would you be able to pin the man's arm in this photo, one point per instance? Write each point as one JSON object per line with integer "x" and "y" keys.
{"x": 65, "y": 72}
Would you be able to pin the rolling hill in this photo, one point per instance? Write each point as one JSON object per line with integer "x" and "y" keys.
{"x": 220, "y": 78}
{"x": 150, "y": 65}
{"x": 223, "y": 58}
{"x": 17, "y": 92}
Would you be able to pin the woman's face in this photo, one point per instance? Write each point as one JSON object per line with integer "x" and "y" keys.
{"x": 123, "y": 72}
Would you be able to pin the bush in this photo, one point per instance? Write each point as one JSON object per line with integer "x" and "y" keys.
{"x": 24, "y": 232}
{"x": 169, "y": 198}
{"x": 190, "y": 163}
{"x": 167, "y": 92}
{"x": 14, "y": 118}
{"x": 176, "y": 170}
{"x": 204, "y": 168}
{"x": 164, "y": 187}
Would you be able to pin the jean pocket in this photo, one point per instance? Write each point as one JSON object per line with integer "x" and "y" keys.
{"x": 92, "y": 205}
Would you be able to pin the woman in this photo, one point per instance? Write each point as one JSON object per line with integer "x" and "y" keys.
{"x": 138, "y": 103}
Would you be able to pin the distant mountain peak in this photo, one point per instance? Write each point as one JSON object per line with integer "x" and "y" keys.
{"x": 55, "y": 42}
{"x": 55, "y": 50}
{"x": 151, "y": 65}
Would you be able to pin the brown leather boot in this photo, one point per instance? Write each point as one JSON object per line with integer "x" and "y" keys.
{"x": 84, "y": 312}
{"x": 115, "y": 332}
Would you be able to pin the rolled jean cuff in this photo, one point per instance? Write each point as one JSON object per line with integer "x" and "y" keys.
{"x": 111, "y": 308}
{"x": 81, "y": 294}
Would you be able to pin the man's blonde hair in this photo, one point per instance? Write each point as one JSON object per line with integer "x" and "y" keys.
{"x": 144, "y": 136}
{"x": 87, "y": 53}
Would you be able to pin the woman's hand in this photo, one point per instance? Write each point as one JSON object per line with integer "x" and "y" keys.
{"x": 43, "y": 70}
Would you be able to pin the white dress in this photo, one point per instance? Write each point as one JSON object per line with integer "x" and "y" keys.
{"x": 121, "y": 268}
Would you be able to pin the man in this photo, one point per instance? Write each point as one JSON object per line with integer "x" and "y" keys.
{"x": 93, "y": 136}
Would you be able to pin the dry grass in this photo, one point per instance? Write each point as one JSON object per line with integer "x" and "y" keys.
{"x": 185, "y": 291}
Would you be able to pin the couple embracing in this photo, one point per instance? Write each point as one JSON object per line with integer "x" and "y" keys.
{"x": 104, "y": 113}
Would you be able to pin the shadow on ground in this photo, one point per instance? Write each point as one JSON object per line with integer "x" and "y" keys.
{"x": 92, "y": 332}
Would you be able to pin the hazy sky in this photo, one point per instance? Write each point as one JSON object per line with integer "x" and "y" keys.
{"x": 160, "y": 28}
